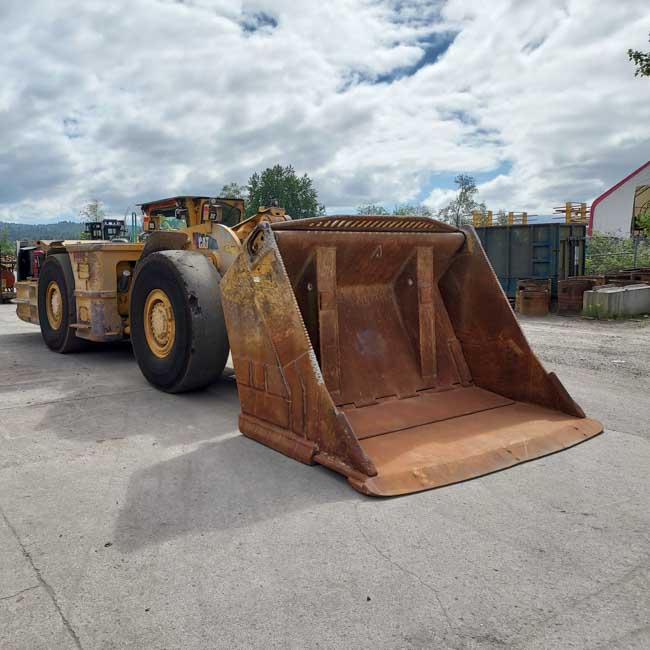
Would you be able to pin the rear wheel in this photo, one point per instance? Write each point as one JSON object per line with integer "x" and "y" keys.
{"x": 178, "y": 330}
{"x": 57, "y": 308}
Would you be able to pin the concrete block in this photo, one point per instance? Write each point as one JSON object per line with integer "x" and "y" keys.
{"x": 609, "y": 301}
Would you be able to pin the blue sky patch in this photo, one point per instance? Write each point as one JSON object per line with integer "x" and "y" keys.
{"x": 445, "y": 180}
{"x": 434, "y": 47}
{"x": 252, "y": 23}
{"x": 71, "y": 128}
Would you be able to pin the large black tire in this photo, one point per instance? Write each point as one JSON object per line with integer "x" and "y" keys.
{"x": 59, "y": 336}
{"x": 200, "y": 347}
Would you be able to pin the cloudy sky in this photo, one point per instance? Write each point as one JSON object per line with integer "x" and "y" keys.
{"x": 379, "y": 101}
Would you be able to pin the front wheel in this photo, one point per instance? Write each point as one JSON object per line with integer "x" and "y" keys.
{"x": 178, "y": 332}
{"x": 57, "y": 306}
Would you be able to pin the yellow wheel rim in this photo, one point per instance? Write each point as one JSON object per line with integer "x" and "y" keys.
{"x": 54, "y": 305}
{"x": 159, "y": 323}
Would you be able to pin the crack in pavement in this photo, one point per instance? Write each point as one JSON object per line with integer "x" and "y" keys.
{"x": 43, "y": 583}
{"x": 408, "y": 572}
{"x": 632, "y": 634}
{"x": 77, "y": 398}
{"x": 22, "y": 591}
{"x": 574, "y": 602}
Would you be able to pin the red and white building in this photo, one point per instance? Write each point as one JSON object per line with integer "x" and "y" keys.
{"x": 614, "y": 211}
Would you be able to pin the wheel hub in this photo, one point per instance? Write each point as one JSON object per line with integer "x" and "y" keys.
{"x": 54, "y": 305}
{"x": 159, "y": 323}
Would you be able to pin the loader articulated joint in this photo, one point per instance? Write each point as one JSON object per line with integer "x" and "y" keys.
{"x": 258, "y": 241}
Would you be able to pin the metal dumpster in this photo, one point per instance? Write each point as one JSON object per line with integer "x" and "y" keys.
{"x": 541, "y": 250}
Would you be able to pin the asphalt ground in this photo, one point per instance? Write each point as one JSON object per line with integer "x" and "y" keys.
{"x": 135, "y": 519}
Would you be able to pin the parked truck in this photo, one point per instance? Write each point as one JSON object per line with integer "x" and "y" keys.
{"x": 381, "y": 347}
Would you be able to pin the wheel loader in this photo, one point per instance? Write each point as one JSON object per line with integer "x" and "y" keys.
{"x": 381, "y": 347}
{"x": 7, "y": 278}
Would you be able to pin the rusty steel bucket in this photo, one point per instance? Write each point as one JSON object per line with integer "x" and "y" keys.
{"x": 570, "y": 293}
{"x": 385, "y": 349}
{"x": 533, "y": 302}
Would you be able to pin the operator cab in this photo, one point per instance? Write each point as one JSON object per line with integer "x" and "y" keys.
{"x": 181, "y": 212}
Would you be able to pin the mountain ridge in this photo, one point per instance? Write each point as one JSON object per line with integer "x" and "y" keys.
{"x": 58, "y": 230}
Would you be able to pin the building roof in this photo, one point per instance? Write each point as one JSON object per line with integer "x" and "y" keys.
{"x": 611, "y": 190}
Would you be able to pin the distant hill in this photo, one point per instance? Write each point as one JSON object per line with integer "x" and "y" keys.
{"x": 60, "y": 230}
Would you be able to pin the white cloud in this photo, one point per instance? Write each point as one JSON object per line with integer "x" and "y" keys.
{"x": 163, "y": 97}
{"x": 439, "y": 198}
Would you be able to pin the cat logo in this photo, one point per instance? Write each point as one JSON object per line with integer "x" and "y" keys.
{"x": 204, "y": 242}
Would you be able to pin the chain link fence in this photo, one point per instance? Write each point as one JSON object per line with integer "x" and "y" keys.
{"x": 605, "y": 254}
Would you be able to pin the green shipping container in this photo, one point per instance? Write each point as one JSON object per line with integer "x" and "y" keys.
{"x": 540, "y": 250}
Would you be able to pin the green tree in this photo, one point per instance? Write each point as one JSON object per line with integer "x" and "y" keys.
{"x": 59, "y": 230}
{"x": 606, "y": 254}
{"x": 92, "y": 211}
{"x": 6, "y": 245}
{"x": 411, "y": 210}
{"x": 459, "y": 211}
{"x": 643, "y": 220}
{"x": 234, "y": 191}
{"x": 372, "y": 209}
{"x": 501, "y": 217}
{"x": 642, "y": 62}
{"x": 296, "y": 194}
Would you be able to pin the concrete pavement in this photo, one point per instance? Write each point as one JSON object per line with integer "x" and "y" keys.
{"x": 135, "y": 519}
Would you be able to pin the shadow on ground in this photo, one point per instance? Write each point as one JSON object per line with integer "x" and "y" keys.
{"x": 182, "y": 419}
{"x": 99, "y": 394}
{"x": 29, "y": 357}
{"x": 223, "y": 485}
